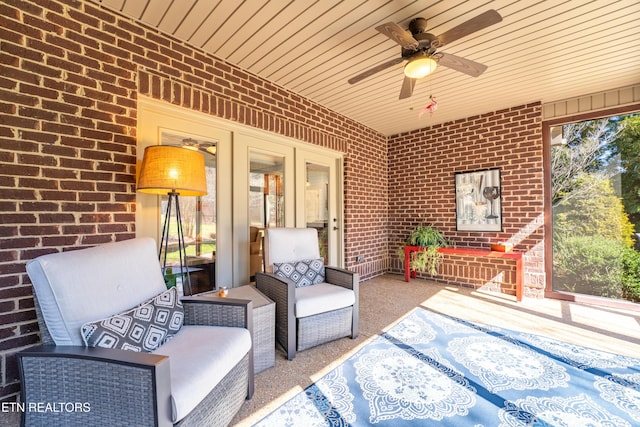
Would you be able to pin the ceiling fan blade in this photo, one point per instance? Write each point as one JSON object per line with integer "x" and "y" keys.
{"x": 481, "y": 21}
{"x": 463, "y": 65}
{"x": 396, "y": 33}
{"x": 407, "y": 87}
{"x": 374, "y": 70}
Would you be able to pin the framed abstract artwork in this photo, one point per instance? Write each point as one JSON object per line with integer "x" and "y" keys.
{"x": 478, "y": 200}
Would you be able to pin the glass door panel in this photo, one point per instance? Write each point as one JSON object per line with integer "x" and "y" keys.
{"x": 595, "y": 206}
{"x": 266, "y": 199}
{"x": 319, "y": 201}
{"x": 198, "y": 213}
{"x": 198, "y": 216}
{"x": 266, "y": 203}
{"x": 316, "y": 203}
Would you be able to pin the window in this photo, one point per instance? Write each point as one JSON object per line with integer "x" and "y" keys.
{"x": 198, "y": 217}
{"x": 595, "y": 207}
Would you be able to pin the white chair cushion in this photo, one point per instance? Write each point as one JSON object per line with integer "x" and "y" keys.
{"x": 289, "y": 245}
{"x": 321, "y": 298}
{"x": 81, "y": 286}
{"x": 200, "y": 356}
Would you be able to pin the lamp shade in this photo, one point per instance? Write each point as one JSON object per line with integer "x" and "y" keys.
{"x": 166, "y": 168}
{"x": 420, "y": 66}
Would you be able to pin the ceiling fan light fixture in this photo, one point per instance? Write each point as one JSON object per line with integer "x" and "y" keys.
{"x": 420, "y": 66}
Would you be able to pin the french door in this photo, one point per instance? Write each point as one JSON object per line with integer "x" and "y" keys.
{"x": 279, "y": 184}
{"x": 256, "y": 180}
{"x": 264, "y": 182}
{"x": 320, "y": 188}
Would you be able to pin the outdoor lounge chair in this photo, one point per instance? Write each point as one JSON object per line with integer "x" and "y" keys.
{"x": 315, "y": 303}
{"x": 94, "y": 306}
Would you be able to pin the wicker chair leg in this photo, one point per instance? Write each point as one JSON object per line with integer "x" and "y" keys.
{"x": 291, "y": 337}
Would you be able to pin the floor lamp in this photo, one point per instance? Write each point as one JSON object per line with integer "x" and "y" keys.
{"x": 174, "y": 171}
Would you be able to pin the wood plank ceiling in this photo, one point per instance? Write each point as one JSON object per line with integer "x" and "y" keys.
{"x": 544, "y": 50}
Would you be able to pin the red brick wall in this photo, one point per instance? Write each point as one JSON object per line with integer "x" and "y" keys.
{"x": 70, "y": 74}
{"x": 422, "y": 167}
{"x": 492, "y": 274}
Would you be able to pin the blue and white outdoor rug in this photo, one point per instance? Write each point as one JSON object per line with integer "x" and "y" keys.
{"x": 432, "y": 369}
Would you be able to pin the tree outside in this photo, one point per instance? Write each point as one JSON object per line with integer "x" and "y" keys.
{"x": 596, "y": 208}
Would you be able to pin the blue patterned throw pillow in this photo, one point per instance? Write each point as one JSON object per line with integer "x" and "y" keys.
{"x": 303, "y": 273}
{"x": 143, "y": 328}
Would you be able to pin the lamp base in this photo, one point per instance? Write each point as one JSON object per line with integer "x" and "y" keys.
{"x": 182, "y": 249}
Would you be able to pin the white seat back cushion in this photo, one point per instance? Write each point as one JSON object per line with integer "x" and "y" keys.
{"x": 85, "y": 285}
{"x": 289, "y": 244}
{"x": 321, "y": 298}
{"x": 200, "y": 357}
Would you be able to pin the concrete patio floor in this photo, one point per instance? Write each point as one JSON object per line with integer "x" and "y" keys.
{"x": 386, "y": 299}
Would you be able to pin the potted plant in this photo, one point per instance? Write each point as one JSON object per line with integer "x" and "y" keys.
{"x": 429, "y": 238}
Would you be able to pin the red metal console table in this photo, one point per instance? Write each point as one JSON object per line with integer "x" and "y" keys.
{"x": 473, "y": 252}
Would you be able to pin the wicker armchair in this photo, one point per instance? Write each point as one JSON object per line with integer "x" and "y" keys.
{"x": 310, "y": 309}
{"x": 201, "y": 376}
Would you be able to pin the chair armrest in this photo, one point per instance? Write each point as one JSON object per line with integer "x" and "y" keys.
{"x": 210, "y": 310}
{"x": 79, "y": 386}
{"x": 279, "y": 289}
{"x": 350, "y": 280}
{"x": 341, "y": 277}
{"x": 282, "y": 291}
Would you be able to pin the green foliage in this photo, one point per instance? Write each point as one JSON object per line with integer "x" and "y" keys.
{"x": 431, "y": 239}
{"x": 627, "y": 152}
{"x": 597, "y": 266}
{"x": 608, "y": 148}
{"x": 589, "y": 265}
{"x": 426, "y": 261}
{"x": 427, "y": 236}
{"x": 205, "y": 248}
{"x": 597, "y": 211}
{"x": 631, "y": 275}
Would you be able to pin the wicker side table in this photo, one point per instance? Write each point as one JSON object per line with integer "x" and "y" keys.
{"x": 264, "y": 326}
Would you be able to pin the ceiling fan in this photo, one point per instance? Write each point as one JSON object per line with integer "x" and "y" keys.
{"x": 420, "y": 49}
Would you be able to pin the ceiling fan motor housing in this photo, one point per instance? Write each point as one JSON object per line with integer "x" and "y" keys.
{"x": 417, "y": 26}
{"x": 427, "y": 42}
